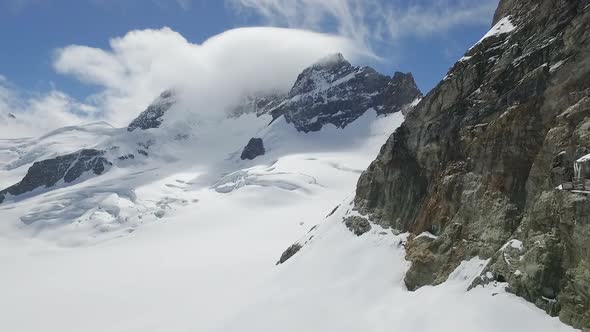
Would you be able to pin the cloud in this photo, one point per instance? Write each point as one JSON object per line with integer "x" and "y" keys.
{"x": 438, "y": 17}
{"x": 34, "y": 114}
{"x": 369, "y": 22}
{"x": 143, "y": 63}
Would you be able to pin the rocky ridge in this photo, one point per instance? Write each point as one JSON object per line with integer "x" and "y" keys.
{"x": 66, "y": 168}
{"x": 153, "y": 116}
{"x": 333, "y": 91}
{"x": 477, "y": 162}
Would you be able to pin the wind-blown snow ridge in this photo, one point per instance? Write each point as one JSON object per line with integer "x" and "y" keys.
{"x": 503, "y": 26}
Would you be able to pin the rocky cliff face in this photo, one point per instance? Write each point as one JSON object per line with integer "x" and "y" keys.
{"x": 68, "y": 168}
{"x": 153, "y": 116}
{"x": 400, "y": 91}
{"x": 333, "y": 91}
{"x": 477, "y": 162}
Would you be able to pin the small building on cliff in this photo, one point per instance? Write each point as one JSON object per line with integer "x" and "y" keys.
{"x": 582, "y": 168}
{"x": 581, "y": 179}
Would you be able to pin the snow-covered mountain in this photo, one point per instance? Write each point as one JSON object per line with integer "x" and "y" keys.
{"x": 153, "y": 116}
{"x": 332, "y": 91}
{"x": 177, "y": 222}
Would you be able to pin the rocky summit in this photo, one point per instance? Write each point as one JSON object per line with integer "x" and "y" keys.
{"x": 332, "y": 91}
{"x": 153, "y": 116}
{"x": 66, "y": 168}
{"x": 485, "y": 162}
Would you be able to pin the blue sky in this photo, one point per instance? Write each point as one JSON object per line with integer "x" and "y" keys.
{"x": 66, "y": 61}
{"x": 31, "y": 30}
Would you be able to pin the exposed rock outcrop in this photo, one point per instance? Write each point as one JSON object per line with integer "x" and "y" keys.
{"x": 290, "y": 252}
{"x": 401, "y": 91}
{"x": 476, "y": 163}
{"x": 357, "y": 225}
{"x": 253, "y": 149}
{"x": 153, "y": 116}
{"x": 68, "y": 168}
{"x": 332, "y": 91}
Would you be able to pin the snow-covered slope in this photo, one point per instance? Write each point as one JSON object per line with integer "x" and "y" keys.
{"x": 169, "y": 130}
{"x": 181, "y": 234}
{"x": 205, "y": 257}
{"x": 17, "y": 155}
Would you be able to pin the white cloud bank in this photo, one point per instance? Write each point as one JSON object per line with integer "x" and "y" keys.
{"x": 33, "y": 114}
{"x": 143, "y": 63}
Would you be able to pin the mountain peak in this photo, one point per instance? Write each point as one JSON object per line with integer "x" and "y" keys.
{"x": 152, "y": 117}
{"x": 330, "y": 60}
{"x": 332, "y": 91}
{"x": 401, "y": 91}
{"x": 400, "y": 76}
{"x": 321, "y": 74}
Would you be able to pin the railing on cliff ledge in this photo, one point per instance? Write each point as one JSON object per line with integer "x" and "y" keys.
{"x": 577, "y": 185}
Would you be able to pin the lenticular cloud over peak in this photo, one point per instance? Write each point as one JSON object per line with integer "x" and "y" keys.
{"x": 143, "y": 63}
